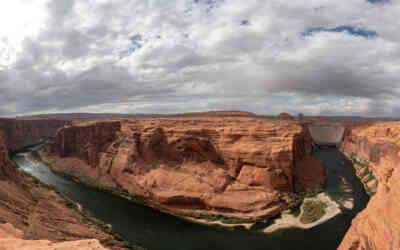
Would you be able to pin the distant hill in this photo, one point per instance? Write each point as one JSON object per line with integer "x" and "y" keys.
{"x": 224, "y": 113}
{"x": 85, "y": 116}
{"x": 356, "y": 118}
{"x": 118, "y": 115}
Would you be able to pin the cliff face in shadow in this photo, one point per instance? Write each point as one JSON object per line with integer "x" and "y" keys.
{"x": 239, "y": 167}
{"x": 8, "y": 170}
{"x": 19, "y": 133}
{"x": 376, "y": 148}
{"x": 39, "y": 217}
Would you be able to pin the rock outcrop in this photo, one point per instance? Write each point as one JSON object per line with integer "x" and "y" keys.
{"x": 8, "y": 169}
{"x": 378, "y": 226}
{"x": 44, "y": 219}
{"x": 285, "y": 116}
{"x": 239, "y": 167}
{"x": 19, "y": 133}
{"x": 12, "y": 239}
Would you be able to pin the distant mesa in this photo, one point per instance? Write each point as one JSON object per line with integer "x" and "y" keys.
{"x": 222, "y": 113}
{"x": 285, "y": 116}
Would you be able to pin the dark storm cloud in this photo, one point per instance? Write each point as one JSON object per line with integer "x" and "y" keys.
{"x": 334, "y": 80}
{"x": 103, "y": 84}
{"x": 378, "y": 1}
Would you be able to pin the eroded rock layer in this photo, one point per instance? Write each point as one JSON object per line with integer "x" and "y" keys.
{"x": 378, "y": 226}
{"x": 20, "y": 133}
{"x": 42, "y": 219}
{"x": 241, "y": 167}
{"x": 8, "y": 169}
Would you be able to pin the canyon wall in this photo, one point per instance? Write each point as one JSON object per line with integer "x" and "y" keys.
{"x": 8, "y": 170}
{"x": 33, "y": 216}
{"x": 378, "y": 146}
{"x": 19, "y": 133}
{"x": 239, "y": 167}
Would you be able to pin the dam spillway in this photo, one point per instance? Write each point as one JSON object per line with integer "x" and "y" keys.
{"x": 326, "y": 134}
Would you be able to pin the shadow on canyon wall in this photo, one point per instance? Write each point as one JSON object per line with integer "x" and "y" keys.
{"x": 156, "y": 230}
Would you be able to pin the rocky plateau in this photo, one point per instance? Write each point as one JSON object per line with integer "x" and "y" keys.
{"x": 237, "y": 166}
{"x": 378, "y": 226}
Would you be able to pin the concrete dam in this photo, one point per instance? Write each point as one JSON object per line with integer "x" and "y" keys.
{"x": 326, "y": 134}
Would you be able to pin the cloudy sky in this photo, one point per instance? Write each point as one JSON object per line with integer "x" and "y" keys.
{"x": 324, "y": 57}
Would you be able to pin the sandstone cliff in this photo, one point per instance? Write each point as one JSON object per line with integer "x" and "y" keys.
{"x": 285, "y": 116}
{"x": 8, "y": 169}
{"x": 43, "y": 216}
{"x": 378, "y": 146}
{"x": 20, "y": 133}
{"x": 239, "y": 167}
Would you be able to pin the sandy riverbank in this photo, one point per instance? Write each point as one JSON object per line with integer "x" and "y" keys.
{"x": 288, "y": 220}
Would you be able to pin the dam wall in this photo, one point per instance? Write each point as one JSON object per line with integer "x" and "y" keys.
{"x": 326, "y": 134}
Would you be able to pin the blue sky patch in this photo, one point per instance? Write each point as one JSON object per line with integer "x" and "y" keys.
{"x": 245, "y": 22}
{"x": 136, "y": 41}
{"x": 211, "y": 4}
{"x": 377, "y": 1}
{"x": 344, "y": 28}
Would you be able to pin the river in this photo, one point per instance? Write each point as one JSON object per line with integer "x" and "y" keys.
{"x": 154, "y": 230}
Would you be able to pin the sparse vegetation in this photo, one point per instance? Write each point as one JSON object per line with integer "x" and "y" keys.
{"x": 312, "y": 211}
{"x": 370, "y": 178}
{"x": 364, "y": 173}
{"x": 218, "y": 217}
{"x": 297, "y": 200}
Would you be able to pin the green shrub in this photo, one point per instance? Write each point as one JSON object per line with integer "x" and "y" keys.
{"x": 312, "y": 211}
{"x": 364, "y": 173}
{"x": 218, "y": 217}
{"x": 370, "y": 178}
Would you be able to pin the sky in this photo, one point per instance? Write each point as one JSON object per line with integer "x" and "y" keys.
{"x": 317, "y": 57}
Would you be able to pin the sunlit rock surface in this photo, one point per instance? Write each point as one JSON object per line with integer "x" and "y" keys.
{"x": 11, "y": 239}
{"x": 236, "y": 166}
{"x": 377, "y": 226}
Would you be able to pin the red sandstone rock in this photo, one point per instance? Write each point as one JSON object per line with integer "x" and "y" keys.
{"x": 226, "y": 113}
{"x": 12, "y": 239}
{"x": 378, "y": 226}
{"x": 232, "y": 166}
{"x": 8, "y": 169}
{"x": 20, "y": 133}
{"x": 285, "y": 116}
{"x": 41, "y": 214}
{"x": 310, "y": 174}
